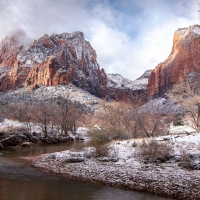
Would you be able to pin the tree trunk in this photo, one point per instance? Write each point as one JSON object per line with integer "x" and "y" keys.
{"x": 198, "y": 118}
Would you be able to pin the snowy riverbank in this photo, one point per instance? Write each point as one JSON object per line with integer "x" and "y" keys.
{"x": 126, "y": 169}
{"x": 18, "y": 134}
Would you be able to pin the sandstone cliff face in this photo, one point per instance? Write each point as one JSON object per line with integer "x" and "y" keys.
{"x": 10, "y": 46}
{"x": 51, "y": 60}
{"x": 184, "y": 58}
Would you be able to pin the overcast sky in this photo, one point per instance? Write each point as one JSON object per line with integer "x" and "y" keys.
{"x": 129, "y": 36}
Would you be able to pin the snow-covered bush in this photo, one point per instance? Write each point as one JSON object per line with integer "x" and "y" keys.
{"x": 155, "y": 151}
{"x": 189, "y": 160}
{"x": 101, "y": 138}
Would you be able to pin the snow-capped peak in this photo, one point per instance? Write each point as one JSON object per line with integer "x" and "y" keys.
{"x": 118, "y": 81}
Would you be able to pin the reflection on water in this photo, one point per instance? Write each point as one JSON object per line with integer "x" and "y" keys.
{"x": 19, "y": 182}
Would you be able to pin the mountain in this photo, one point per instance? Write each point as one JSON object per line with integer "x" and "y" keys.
{"x": 122, "y": 88}
{"x": 118, "y": 81}
{"x": 58, "y": 59}
{"x": 184, "y": 58}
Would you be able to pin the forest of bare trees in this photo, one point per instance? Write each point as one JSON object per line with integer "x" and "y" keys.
{"x": 57, "y": 116}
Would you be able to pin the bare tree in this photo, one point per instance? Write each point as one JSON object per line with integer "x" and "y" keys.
{"x": 187, "y": 96}
{"x": 151, "y": 120}
{"x": 115, "y": 115}
{"x": 68, "y": 115}
{"x": 42, "y": 113}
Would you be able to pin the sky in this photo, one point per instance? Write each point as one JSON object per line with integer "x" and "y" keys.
{"x": 129, "y": 36}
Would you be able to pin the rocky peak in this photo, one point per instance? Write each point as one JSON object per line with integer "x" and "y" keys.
{"x": 145, "y": 75}
{"x": 118, "y": 81}
{"x": 10, "y": 46}
{"x": 54, "y": 60}
{"x": 184, "y": 58}
{"x": 120, "y": 88}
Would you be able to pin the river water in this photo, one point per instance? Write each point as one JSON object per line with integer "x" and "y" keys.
{"x": 18, "y": 181}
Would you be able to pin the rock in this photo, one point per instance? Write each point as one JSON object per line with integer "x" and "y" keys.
{"x": 74, "y": 157}
{"x": 52, "y": 156}
{"x": 51, "y": 140}
{"x": 75, "y": 160}
{"x": 60, "y": 59}
{"x": 78, "y": 138}
{"x": 108, "y": 159}
{"x": 114, "y": 159}
{"x": 1, "y": 146}
{"x": 14, "y": 140}
{"x": 10, "y": 48}
{"x": 186, "y": 165}
{"x": 184, "y": 58}
{"x": 26, "y": 144}
{"x": 53, "y": 60}
{"x": 146, "y": 161}
{"x": 90, "y": 152}
{"x": 120, "y": 88}
{"x": 195, "y": 166}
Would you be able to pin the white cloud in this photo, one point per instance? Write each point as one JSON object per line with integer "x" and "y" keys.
{"x": 119, "y": 53}
{"x": 128, "y": 36}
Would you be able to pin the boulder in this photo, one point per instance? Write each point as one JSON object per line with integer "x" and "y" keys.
{"x": 26, "y": 144}
{"x": 13, "y": 140}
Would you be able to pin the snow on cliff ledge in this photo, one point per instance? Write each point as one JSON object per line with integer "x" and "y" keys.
{"x": 118, "y": 81}
{"x": 183, "y": 32}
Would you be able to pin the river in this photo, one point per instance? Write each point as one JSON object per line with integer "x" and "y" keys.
{"x": 18, "y": 181}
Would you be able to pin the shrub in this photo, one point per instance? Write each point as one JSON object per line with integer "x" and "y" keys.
{"x": 134, "y": 144}
{"x": 189, "y": 161}
{"x": 100, "y": 140}
{"x": 155, "y": 151}
{"x": 178, "y": 121}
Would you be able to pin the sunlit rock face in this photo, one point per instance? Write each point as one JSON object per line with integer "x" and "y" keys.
{"x": 184, "y": 58}
{"x": 53, "y": 60}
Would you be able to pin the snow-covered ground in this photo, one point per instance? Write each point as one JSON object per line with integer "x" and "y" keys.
{"x": 126, "y": 168}
{"x": 7, "y": 125}
{"x": 47, "y": 93}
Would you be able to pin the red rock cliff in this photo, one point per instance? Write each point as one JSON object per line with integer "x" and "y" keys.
{"x": 184, "y": 58}
{"x": 51, "y": 60}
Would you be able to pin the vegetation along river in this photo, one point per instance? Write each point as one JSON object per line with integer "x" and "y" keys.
{"x": 18, "y": 181}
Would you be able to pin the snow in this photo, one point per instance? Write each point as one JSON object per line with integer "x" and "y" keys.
{"x": 185, "y": 31}
{"x": 197, "y": 31}
{"x": 181, "y": 129}
{"x": 46, "y": 93}
{"x": 29, "y": 62}
{"x": 129, "y": 171}
{"x": 6, "y": 123}
{"x": 118, "y": 81}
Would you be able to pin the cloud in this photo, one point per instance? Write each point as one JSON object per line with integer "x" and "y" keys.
{"x": 129, "y": 36}
{"x": 129, "y": 54}
{"x": 37, "y": 18}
